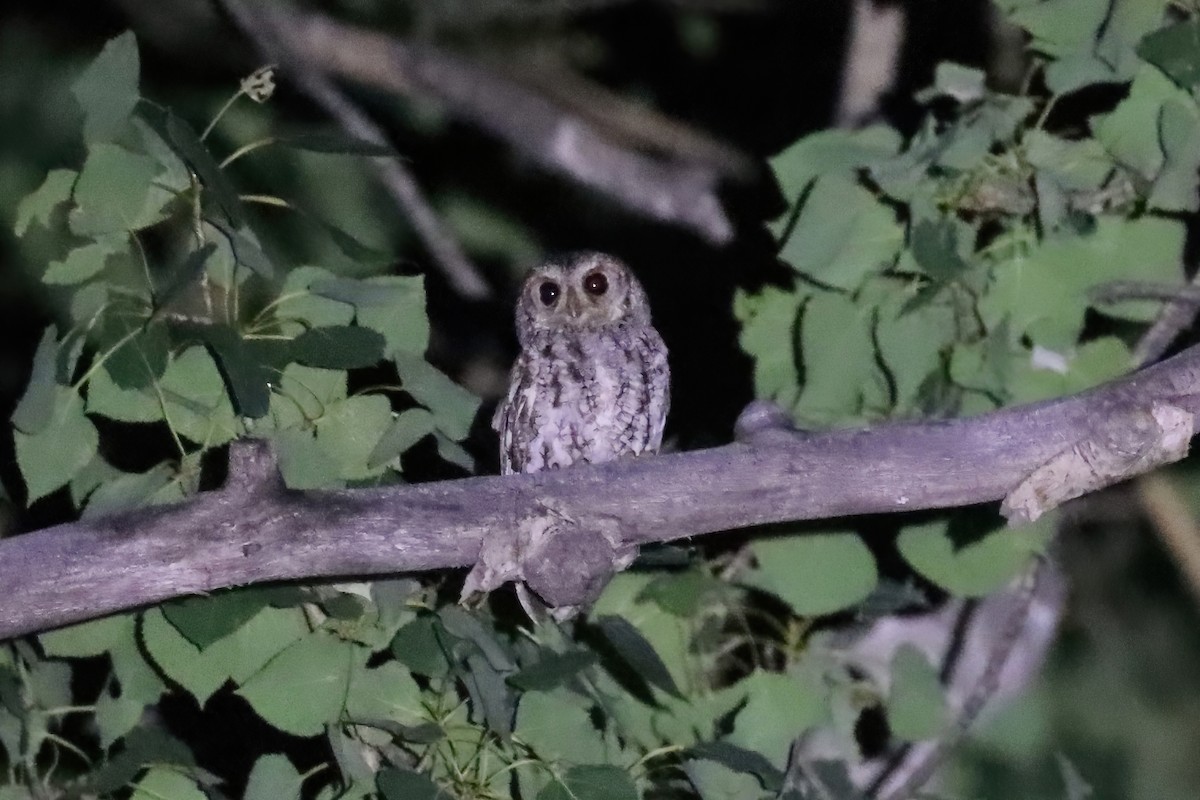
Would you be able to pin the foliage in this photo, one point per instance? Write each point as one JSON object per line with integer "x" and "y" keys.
{"x": 949, "y": 272}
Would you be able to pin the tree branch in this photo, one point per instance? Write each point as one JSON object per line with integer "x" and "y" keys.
{"x": 254, "y": 530}
{"x": 674, "y": 190}
{"x": 399, "y": 182}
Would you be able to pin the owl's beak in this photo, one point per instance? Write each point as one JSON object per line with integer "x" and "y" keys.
{"x": 574, "y": 304}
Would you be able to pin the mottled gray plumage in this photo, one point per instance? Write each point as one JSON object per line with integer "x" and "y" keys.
{"x": 591, "y": 383}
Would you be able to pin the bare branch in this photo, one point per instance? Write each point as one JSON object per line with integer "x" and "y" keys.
{"x": 672, "y": 190}
{"x": 233, "y": 537}
{"x": 1173, "y": 320}
{"x": 399, "y": 182}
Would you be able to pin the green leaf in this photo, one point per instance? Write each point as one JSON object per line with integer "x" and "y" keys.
{"x": 87, "y": 639}
{"x": 177, "y": 178}
{"x": 36, "y": 408}
{"x": 193, "y": 151}
{"x": 552, "y": 670}
{"x": 1062, "y": 27}
{"x": 417, "y": 646}
{"x": 638, "y": 653}
{"x": 960, "y": 83}
{"x": 303, "y": 463}
{"x": 1176, "y": 51}
{"x": 683, "y": 593}
{"x": 112, "y": 194}
{"x": 204, "y": 620}
{"x": 740, "y": 759}
{"x": 141, "y": 360}
{"x": 768, "y": 335}
{"x": 408, "y": 428}
{"x": 1044, "y": 295}
{"x": 814, "y": 573}
{"x": 50, "y": 458}
{"x": 248, "y": 366}
{"x": 349, "y": 432}
{"x": 971, "y": 556}
{"x": 1046, "y": 374}
{"x": 1179, "y": 132}
{"x": 452, "y": 406}
{"x": 591, "y": 782}
{"x": 386, "y": 691}
{"x": 108, "y": 89}
{"x": 129, "y": 490}
{"x": 318, "y": 669}
{"x": 1125, "y": 131}
{"x": 1076, "y": 165}
{"x": 163, "y": 783}
{"x": 85, "y": 262}
{"x": 303, "y": 394}
{"x": 558, "y": 727}
{"x": 937, "y": 246}
{"x": 142, "y": 747}
{"x": 106, "y": 398}
{"x": 344, "y": 347}
{"x": 714, "y": 781}
{"x": 404, "y": 784}
{"x": 273, "y": 777}
{"x": 402, "y": 320}
{"x": 301, "y": 306}
{"x": 197, "y": 402}
{"x": 236, "y": 657}
{"x": 916, "y": 706}
{"x": 832, "y": 151}
{"x": 41, "y": 203}
{"x": 116, "y": 716}
{"x": 247, "y": 250}
{"x": 183, "y": 275}
{"x": 492, "y": 702}
{"x": 843, "y": 234}
{"x": 778, "y": 709}
{"x": 469, "y": 627}
{"x": 841, "y": 377}
{"x": 913, "y": 345}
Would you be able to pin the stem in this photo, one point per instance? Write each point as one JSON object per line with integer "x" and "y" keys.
{"x": 228, "y": 105}
{"x": 266, "y": 200}
{"x": 248, "y": 148}
{"x": 99, "y": 362}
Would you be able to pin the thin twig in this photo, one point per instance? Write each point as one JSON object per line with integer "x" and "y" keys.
{"x": 1175, "y": 524}
{"x": 985, "y": 689}
{"x": 1173, "y": 320}
{"x": 1117, "y": 291}
{"x": 399, "y": 182}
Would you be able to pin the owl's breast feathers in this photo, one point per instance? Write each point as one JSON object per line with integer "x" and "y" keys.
{"x": 589, "y": 396}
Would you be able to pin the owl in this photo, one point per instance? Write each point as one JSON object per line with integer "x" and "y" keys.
{"x": 591, "y": 383}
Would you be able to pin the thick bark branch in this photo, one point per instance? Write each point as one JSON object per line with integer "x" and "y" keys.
{"x": 254, "y": 530}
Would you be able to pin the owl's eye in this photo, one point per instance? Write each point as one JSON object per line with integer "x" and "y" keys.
{"x": 548, "y": 292}
{"x": 595, "y": 284}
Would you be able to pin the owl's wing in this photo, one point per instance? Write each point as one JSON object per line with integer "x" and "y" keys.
{"x": 504, "y": 421}
{"x": 659, "y": 378}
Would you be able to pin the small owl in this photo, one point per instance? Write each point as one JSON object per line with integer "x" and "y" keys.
{"x": 591, "y": 383}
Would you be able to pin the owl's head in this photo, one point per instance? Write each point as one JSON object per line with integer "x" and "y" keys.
{"x": 586, "y": 290}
